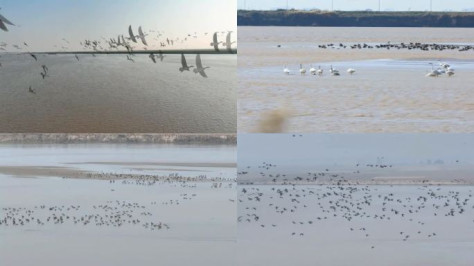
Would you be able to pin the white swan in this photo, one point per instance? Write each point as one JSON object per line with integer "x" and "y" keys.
{"x": 444, "y": 65}
{"x": 286, "y": 71}
{"x": 450, "y": 72}
{"x": 302, "y": 70}
{"x": 312, "y": 70}
{"x": 351, "y": 71}
{"x": 320, "y": 71}
{"x": 434, "y": 72}
{"x": 334, "y": 71}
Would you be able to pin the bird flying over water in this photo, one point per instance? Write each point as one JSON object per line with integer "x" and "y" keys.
{"x": 152, "y": 57}
{"x": 199, "y": 68}
{"x": 161, "y": 56}
{"x": 184, "y": 65}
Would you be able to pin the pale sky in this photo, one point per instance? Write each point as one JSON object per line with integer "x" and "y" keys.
{"x": 403, "y": 5}
{"x": 43, "y": 24}
{"x": 348, "y": 149}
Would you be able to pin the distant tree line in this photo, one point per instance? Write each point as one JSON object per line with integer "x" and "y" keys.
{"x": 354, "y": 18}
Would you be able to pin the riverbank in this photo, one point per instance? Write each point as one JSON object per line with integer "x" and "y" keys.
{"x": 318, "y": 18}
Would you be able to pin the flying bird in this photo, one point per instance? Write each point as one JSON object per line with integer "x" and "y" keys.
{"x": 228, "y": 42}
{"x": 184, "y": 65}
{"x": 141, "y": 35}
{"x": 161, "y": 56}
{"x": 214, "y": 42}
{"x": 152, "y": 57}
{"x": 199, "y": 68}
{"x": 132, "y": 36}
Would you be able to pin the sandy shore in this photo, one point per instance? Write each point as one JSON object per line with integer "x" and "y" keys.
{"x": 217, "y": 165}
{"x": 195, "y": 139}
{"x": 42, "y": 171}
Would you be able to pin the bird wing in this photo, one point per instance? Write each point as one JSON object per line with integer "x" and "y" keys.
{"x": 198, "y": 61}
{"x": 2, "y": 18}
{"x": 214, "y": 41}
{"x": 2, "y": 26}
{"x": 130, "y": 32}
{"x": 203, "y": 73}
{"x": 143, "y": 40}
{"x": 183, "y": 61}
{"x": 142, "y": 36}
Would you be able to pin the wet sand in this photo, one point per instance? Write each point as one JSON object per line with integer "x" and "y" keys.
{"x": 43, "y": 171}
{"x": 388, "y": 92}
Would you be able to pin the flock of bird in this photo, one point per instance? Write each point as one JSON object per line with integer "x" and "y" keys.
{"x": 95, "y": 46}
{"x": 149, "y": 179}
{"x": 128, "y": 43}
{"x": 400, "y": 46}
{"x": 319, "y": 71}
{"x": 443, "y": 68}
{"x": 298, "y": 204}
{"x": 114, "y": 213}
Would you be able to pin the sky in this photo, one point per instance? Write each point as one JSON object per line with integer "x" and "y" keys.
{"x": 349, "y": 149}
{"x": 43, "y": 24}
{"x": 389, "y": 5}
